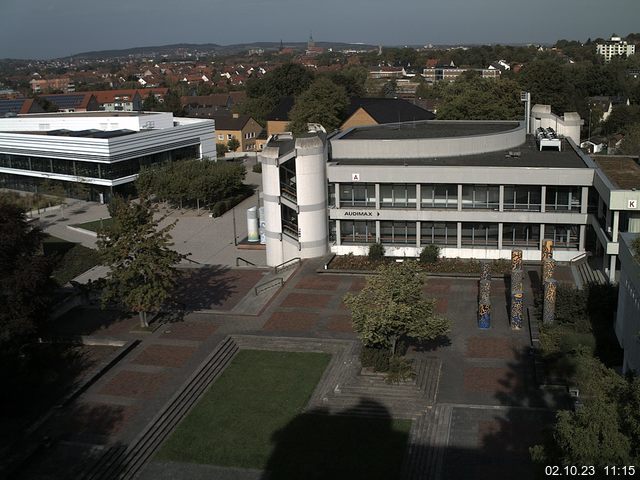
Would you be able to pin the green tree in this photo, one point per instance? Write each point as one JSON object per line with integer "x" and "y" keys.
{"x": 221, "y": 149}
{"x": 631, "y": 142}
{"x": 25, "y": 284}
{"x": 287, "y": 80}
{"x": 391, "y": 307}
{"x": 233, "y": 144}
{"x": 151, "y": 103}
{"x": 323, "y": 102}
{"x": 142, "y": 275}
{"x": 549, "y": 84}
{"x": 474, "y": 98}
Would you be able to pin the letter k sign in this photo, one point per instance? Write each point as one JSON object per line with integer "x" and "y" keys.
{"x": 632, "y": 204}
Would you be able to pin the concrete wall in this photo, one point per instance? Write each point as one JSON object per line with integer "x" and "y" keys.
{"x": 429, "y": 147}
{"x": 272, "y": 212}
{"x": 627, "y": 324}
{"x": 567, "y": 126}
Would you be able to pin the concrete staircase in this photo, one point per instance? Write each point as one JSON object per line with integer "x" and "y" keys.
{"x": 584, "y": 275}
{"x": 428, "y": 440}
{"x": 124, "y": 462}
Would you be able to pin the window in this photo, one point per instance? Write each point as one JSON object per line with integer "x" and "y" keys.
{"x": 220, "y": 137}
{"x": 357, "y": 232}
{"x": 480, "y": 234}
{"x": 397, "y": 195}
{"x": 438, "y": 233}
{"x": 357, "y": 195}
{"x": 398, "y": 232}
{"x": 520, "y": 235}
{"x": 439, "y": 196}
{"x": 229, "y": 136}
{"x": 522, "y": 197}
{"x": 565, "y": 237}
{"x": 484, "y": 197}
{"x": 563, "y": 199}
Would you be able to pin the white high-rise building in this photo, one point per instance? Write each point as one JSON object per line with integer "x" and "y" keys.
{"x": 615, "y": 47}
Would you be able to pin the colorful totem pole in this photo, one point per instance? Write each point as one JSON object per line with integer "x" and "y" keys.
{"x": 547, "y": 248}
{"x": 548, "y": 268}
{"x": 517, "y": 289}
{"x": 516, "y": 260}
{"x": 549, "y": 307}
{"x": 485, "y": 271}
{"x": 484, "y": 302}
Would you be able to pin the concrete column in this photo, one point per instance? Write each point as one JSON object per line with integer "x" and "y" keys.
{"x": 583, "y": 234}
{"x": 418, "y": 234}
{"x": 377, "y": 196}
{"x": 337, "y": 195}
{"x": 600, "y": 206}
{"x": 418, "y": 196}
{"x": 543, "y": 198}
{"x": 541, "y": 236}
{"x": 616, "y": 225}
{"x": 378, "y": 231}
{"x": 501, "y": 204}
{"x": 500, "y": 226}
{"x": 338, "y": 233}
{"x": 459, "y": 199}
{"x": 612, "y": 268}
{"x": 459, "y": 235}
{"x": 584, "y": 206}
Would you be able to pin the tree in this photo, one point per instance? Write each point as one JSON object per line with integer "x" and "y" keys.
{"x": 323, "y": 102}
{"x": 474, "y": 98}
{"x": 233, "y": 144}
{"x": 391, "y": 307}
{"x": 25, "y": 284}
{"x": 631, "y": 142}
{"x": 221, "y": 149}
{"x": 287, "y": 80}
{"x": 142, "y": 272}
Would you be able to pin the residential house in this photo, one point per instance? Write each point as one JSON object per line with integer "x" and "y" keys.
{"x": 19, "y": 106}
{"x": 377, "y": 111}
{"x": 241, "y": 127}
{"x": 41, "y": 85}
{"x": 605, "y": 105}
{"x": 73, "y": 102}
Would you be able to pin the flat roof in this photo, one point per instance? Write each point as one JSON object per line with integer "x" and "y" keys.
{"x": 99, "y": 113}
{"x": 529, "y": 156}
{"x": 427, "y": 129}
{"x": 623, "y": 172}
{"x": 91, "y": 133}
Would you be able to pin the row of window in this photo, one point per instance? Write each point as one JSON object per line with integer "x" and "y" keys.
{"x": 442, "y": 196}
{"x": 108, "y": 171}
{"x": 446, "y": 234}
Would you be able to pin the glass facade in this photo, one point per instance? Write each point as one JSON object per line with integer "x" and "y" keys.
{"x": 481, "y": 197}
{"x": 568, "y": 199}
{"x": 398, "y": 232}
{"x": 439, "y": 196}
{"x": 438, "y": 233}
{"x": 522, "y": 197}
{"x": 107, "y": 171}
{"x": 397, "y": 195}
{"x": 565, "y": 237}
{"x": 480, "y": 234}
{"x": 357, "y": 232}
{"x": 521, "y": 235}
{"x": 357, "y": 195}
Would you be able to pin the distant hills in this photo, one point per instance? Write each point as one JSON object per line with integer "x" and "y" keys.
{"x": 211, "y": 48}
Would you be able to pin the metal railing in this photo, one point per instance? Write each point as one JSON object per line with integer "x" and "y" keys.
{"x": 577, "y": 258}
{"x": 286, "y": 265}
{"x": 246, "y": 262}
{"x": 273, "y": 283}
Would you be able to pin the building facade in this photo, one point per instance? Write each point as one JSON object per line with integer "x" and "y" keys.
{"x": 627, "y": 324}
{"x": 615, "y": 47}
{"x": 100, "y": 152}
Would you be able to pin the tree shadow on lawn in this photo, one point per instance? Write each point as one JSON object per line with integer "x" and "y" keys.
{"x": 316, "y": 445}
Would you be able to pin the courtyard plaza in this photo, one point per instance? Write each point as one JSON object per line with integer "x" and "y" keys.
{"x": 488, "y": 407}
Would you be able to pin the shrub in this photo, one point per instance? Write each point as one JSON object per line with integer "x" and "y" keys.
{"x": 376, "y": 251}
{"x": 430, "y": 254}
{"x": 219, "y": 208}
{"x": 257, "y": 168}
{"x": 400, "y": 370}
{"x": 376, "y": 358}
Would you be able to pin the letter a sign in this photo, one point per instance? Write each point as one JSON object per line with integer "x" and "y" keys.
{"x": 355, "y": 177}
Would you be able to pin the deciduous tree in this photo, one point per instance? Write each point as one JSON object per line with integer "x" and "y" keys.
{"x": 323, "y": 102}
{"x": 392, "y": 306}
{"x": 143, "y": 273}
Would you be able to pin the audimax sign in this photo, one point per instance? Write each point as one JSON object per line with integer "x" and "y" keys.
{"x": 361, "y": 213}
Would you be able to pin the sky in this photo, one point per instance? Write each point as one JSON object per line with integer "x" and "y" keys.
{"x": 56, "y": 28}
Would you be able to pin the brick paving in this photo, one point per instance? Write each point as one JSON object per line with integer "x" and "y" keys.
{"x": 491, "y": 347}
{"x": 134, "y": 384}
{"x": 487, "y": 379}
{"x": 164, "y": 355}
{"x": 340, "y": 323}
{"x": 292, "y": 321}
{"x": 189, "y": 330}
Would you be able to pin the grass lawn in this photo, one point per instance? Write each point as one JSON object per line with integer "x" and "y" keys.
{"x": 95, "y": 224}
{"x": 251, "y": 417}
{"x": 71, "y": 259}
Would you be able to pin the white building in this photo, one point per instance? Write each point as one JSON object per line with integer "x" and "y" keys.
{"x": 615, "y": 47}
{"x": 102, "y": 150}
